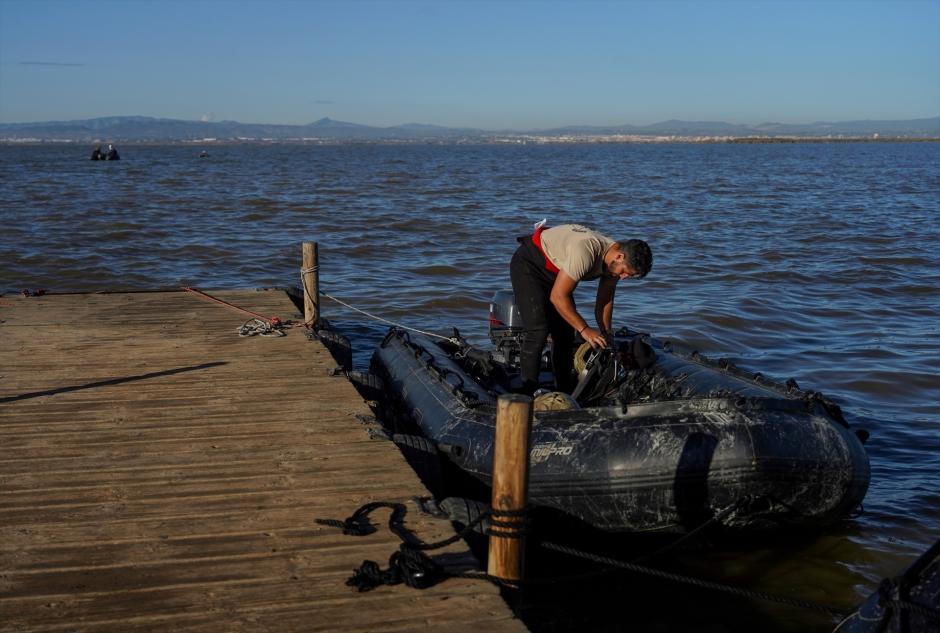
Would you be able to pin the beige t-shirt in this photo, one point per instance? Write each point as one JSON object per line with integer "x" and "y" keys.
{"x": 577, "y": 250}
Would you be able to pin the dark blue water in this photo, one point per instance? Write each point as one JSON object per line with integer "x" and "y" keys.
{"x": 816, "y": 261}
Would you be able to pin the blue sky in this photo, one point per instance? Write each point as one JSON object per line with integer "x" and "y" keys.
{"x": 494, "y": 65}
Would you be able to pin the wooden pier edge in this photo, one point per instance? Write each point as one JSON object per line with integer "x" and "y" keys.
{"x": 162, "y": 472}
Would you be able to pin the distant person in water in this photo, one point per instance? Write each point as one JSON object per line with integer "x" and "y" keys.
{"x": 96, "y": 153}
{"x": 112, "y": 153}
{"x": 545, "y": 270}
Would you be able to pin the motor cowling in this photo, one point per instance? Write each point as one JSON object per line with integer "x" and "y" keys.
{"x": 505, "y": 326}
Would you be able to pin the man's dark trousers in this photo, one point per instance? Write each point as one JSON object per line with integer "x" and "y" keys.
{"x": 532, "y": 286}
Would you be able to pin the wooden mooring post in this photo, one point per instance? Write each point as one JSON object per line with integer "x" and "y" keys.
{"x": 310, "y": 274}
{"x": 510, "y": 484}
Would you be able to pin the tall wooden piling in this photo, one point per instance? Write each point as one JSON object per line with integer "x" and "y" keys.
{"x": 310, "y": 274}
{"x": 510, "y": 483}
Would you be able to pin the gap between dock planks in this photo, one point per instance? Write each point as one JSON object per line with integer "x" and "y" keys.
{"x": 158, "y": 471}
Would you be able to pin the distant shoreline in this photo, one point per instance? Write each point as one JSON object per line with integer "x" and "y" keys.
{"x": 494, "y": 140}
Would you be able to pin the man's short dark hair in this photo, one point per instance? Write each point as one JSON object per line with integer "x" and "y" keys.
{"x": 637, "y": 255}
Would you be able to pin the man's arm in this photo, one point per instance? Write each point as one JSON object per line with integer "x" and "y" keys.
{"x": 604, "y": 305}
{"x": 561, "y": 294}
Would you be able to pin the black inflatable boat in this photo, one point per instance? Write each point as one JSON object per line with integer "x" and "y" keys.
{"x": 657, "y": 441}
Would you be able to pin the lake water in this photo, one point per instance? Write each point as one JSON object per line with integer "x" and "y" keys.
{"x": 816, "y": 261}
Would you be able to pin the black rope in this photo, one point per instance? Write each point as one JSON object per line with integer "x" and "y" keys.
{"x": 410, "y": 565}
{"x": 507, "y": 529}
{"x": 706, "y": 584}
{"x": 720, "y": 516}
{"x": 358, "y": 523}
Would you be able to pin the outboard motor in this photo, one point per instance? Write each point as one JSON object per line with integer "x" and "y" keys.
{"x": 505, "y": 327}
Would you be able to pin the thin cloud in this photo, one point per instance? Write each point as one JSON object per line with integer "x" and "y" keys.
{"x": 49, "y": 64}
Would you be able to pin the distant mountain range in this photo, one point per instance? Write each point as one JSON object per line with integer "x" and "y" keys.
{"x": 143, "y": 128}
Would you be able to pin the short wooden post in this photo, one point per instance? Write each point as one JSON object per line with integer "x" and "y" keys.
{"x": 310, "y": 274}
{"x": 510, "y": 482}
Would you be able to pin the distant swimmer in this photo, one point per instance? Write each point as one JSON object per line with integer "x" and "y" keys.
{"x": 203, "y": 154}
{"x": 112, "y": 153}
{"x": 97, "y": 154}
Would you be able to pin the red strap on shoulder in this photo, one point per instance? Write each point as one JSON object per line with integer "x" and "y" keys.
{"x": 537, "y": 240}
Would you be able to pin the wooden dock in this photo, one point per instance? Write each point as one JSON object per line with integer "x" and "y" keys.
{"x": 159, "y": 472}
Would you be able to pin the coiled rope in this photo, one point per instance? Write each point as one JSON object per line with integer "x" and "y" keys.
{"x": 274, "y": 326}
{"x": 410, "y": 565}
{"x": 257, "y": 325}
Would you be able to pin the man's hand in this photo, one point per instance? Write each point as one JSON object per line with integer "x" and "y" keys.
{"x": 595, "y": 338}
{"x": 562, "y": 291}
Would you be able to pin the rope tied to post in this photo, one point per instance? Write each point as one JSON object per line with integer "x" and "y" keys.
{"x": 516, "y": 527}
{"x": 311, "y": 299}
{"x": 410, "y": 565}
{"x": 314, "y": 294}
{"x": 451, "y": 339}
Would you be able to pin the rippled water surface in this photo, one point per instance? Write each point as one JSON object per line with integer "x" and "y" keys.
{"x": 816, "y": 261}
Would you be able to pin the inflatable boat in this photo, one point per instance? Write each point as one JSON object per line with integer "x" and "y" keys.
{"x": 651, "y": 440}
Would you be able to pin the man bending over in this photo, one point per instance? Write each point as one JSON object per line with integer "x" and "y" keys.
{"x": 545, "y": 270}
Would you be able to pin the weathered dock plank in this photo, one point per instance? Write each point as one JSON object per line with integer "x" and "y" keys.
{"x": 158, "y": 471}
